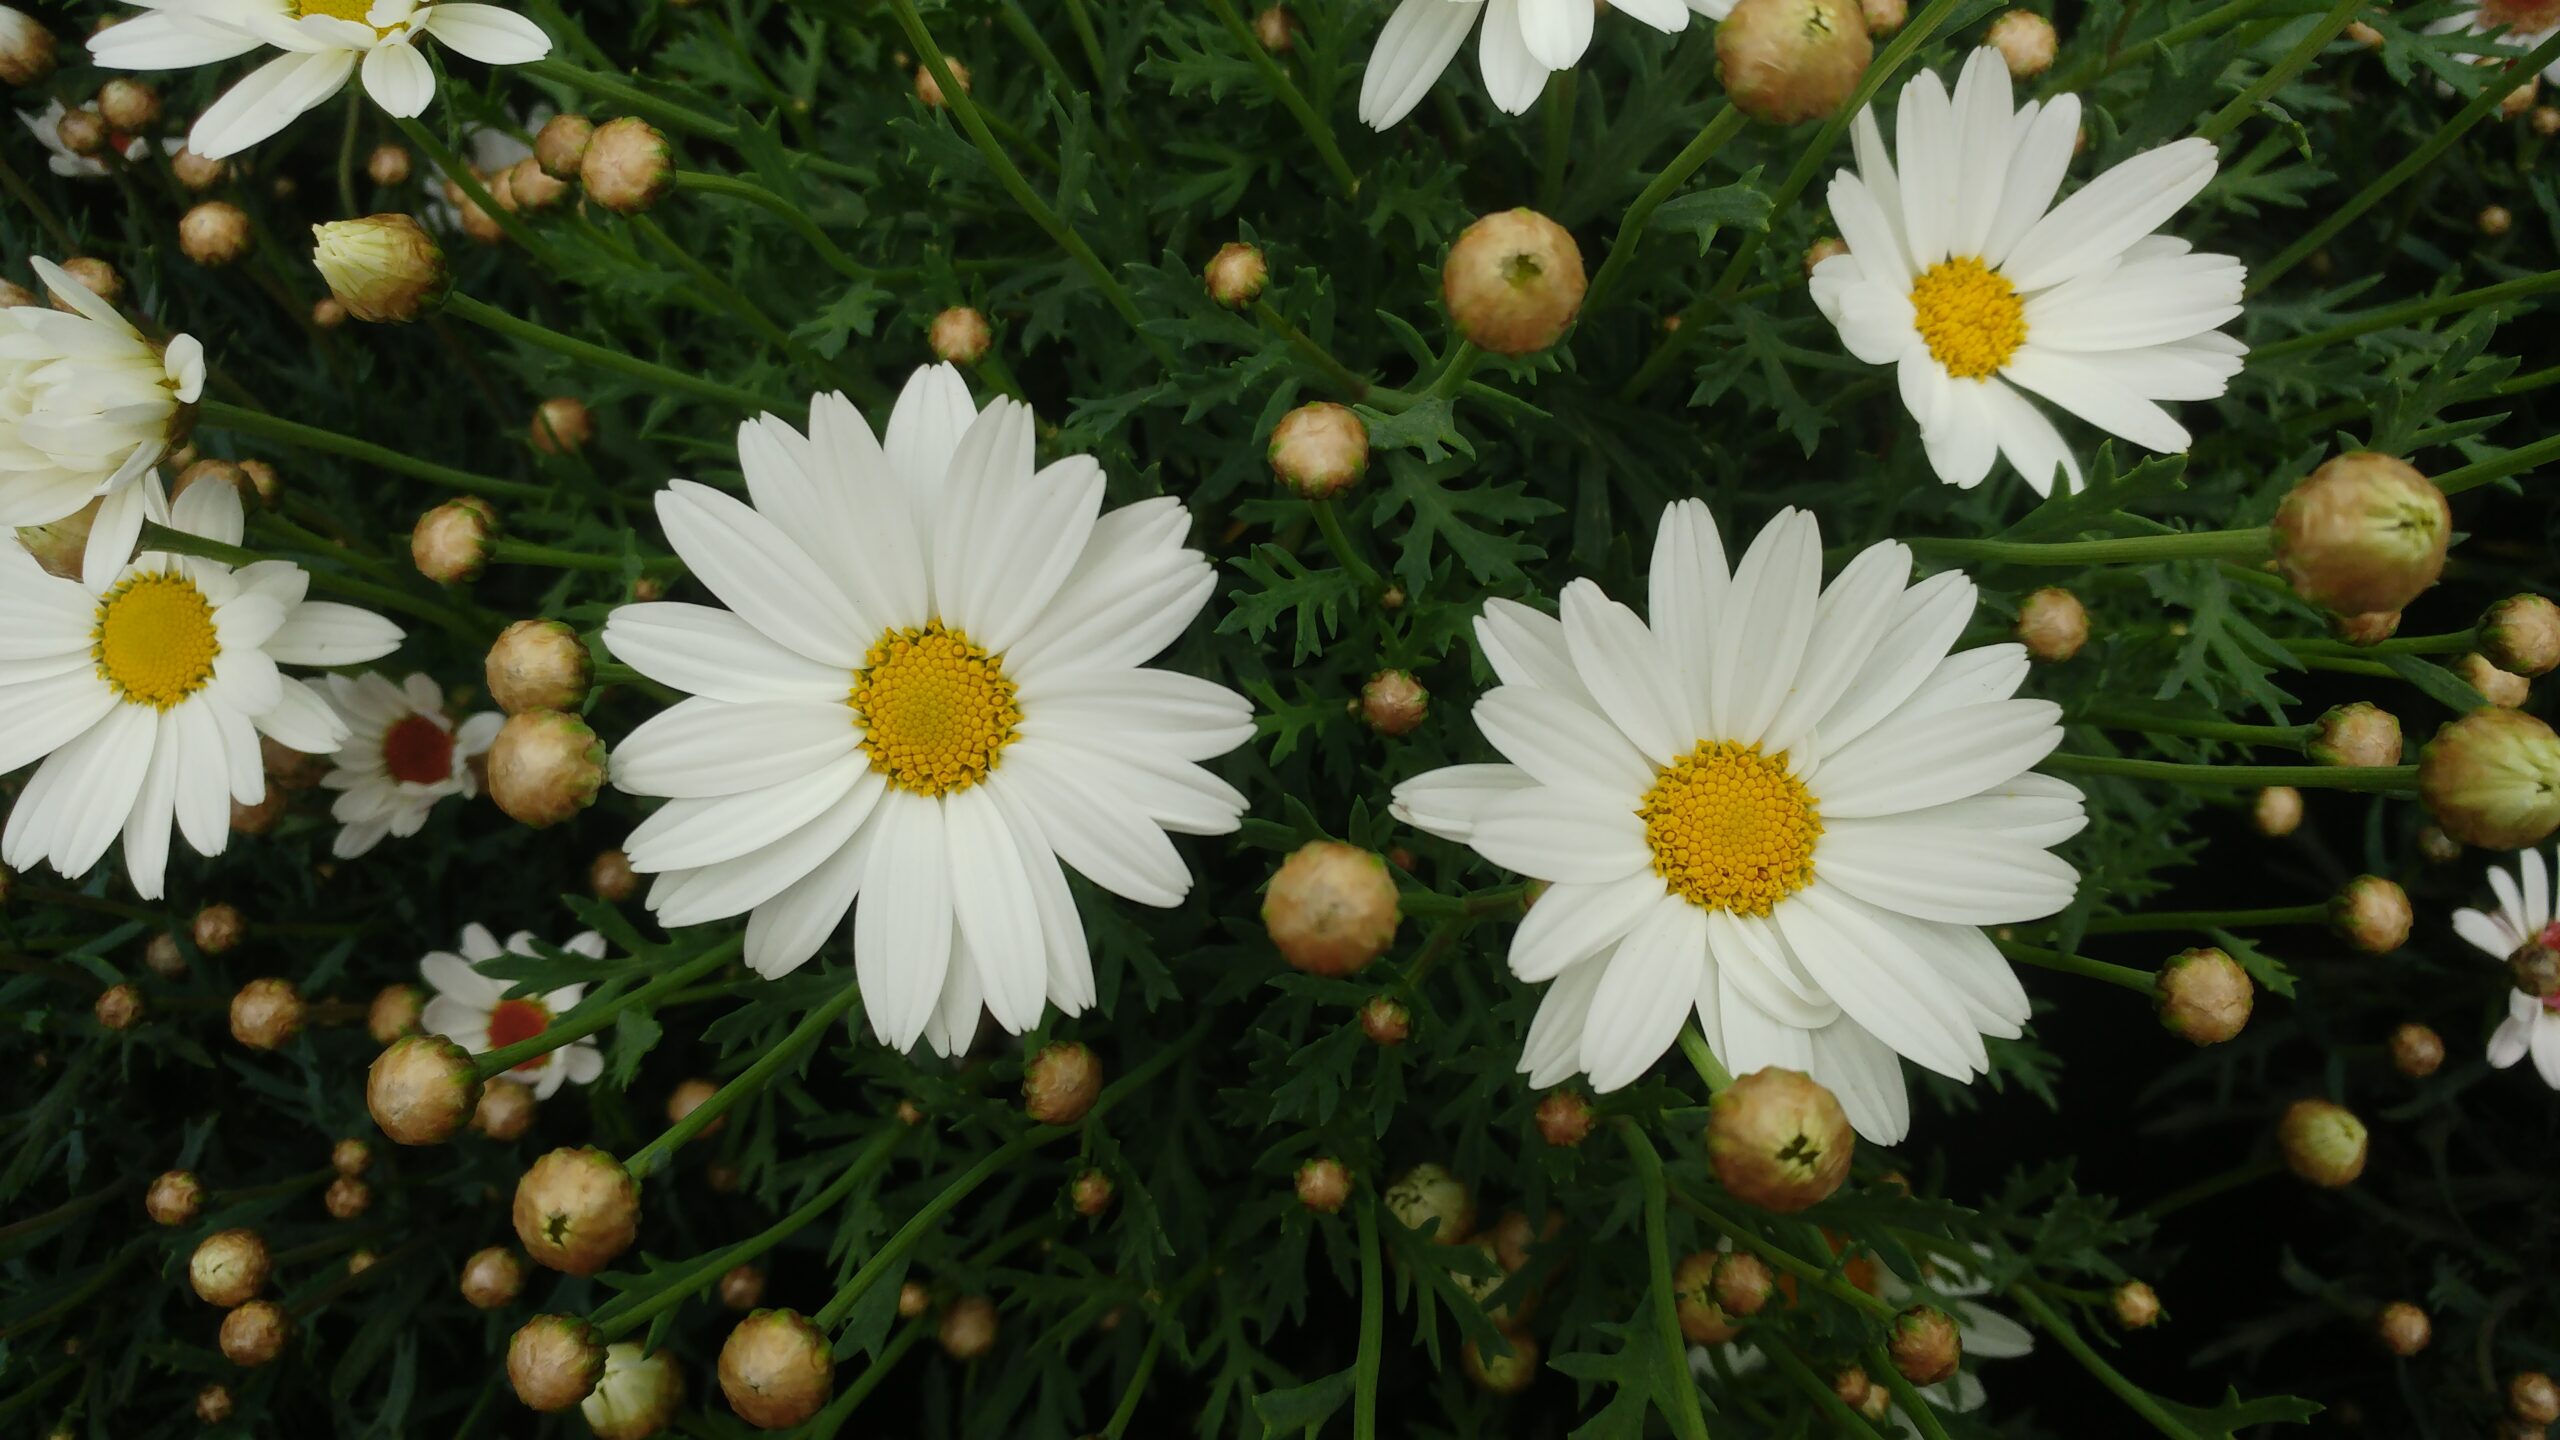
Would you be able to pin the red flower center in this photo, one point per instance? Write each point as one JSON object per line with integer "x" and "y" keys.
{"x": 419, "y": 751}
{"x": 511, "y": 1021}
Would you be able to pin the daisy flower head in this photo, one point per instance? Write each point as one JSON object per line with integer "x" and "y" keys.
{"x": 472, "y": 1009}
{"x": 402, "y": 754}
{"x": 323, "y": 41}
{"x": 87, "y": 407}
{"x": 1524, "y": 41}
{"x": 928, "y": 690}
{"x": 2522, "y": 918}
{"x": 2515, "y": 24}
{"x": 1963, "y": 274}
{"x": 1782, "y": 806}
{"x": 144, "y": 692}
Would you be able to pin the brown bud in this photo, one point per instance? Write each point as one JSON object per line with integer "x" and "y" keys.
{"x": 554, "y": 1362}
{"x": 626, "y": 166}
{"x": 2052, "y": 624}
{"x": 2436, "y": 847}
{"x": 2403, "y": 1328}
{"x": 1702, "y": 1320}
{"x": 968, "y": 1328}
{"x": 1428, "y": 1195}
{"x": 393, "y": 1013}
{"x": 533, "y": 188}
{"x": 450, "y": 543}
{"x": 576, "y": 1209}
{"x": 1779, "y": 1140}
{"x": 2026, "y": 43}
{"x": 128, "y": 104}
{"x": 2492, "y": 779}
{"x": 1823, "y": 248}
{"x": 1513, "y": 281}
{"x": 1564, "y": 1118}
{"x": 421, "y": 1089}
{"x": 215, "y": 232}
{"x": 538, "y": 665}
{"x": 562, "y": 425}
{"x": 2360, "y": 733}
{"x": 545, "y": 767}
{"x": 742, "y": 1287}
{"x": 561, "y": 145}
{"x": 228, "y": 1267}
{"x": 913, "y": 1299}
{"x": 2136, "y": 1305}
{"x": 960, "y": 335}
{"x": 492, "y": 1277}
{"x": 1276, "y": 28}
{"x": 1061, "y": 1083}
{"x": 164, "y": 958}
{"x": 1502, "y": 1374}
{"x": 28, "y": 51}
{"x": 328, "y": 312}
{"x": 2364, "y": 532}
{"x": 1851, "y": 1387}
{"x": 929, "y": 90}
{"x": 260, "y": 818}
{"x": 347, "y": 1197}
{"x": 2416, "y": 1051}
{"x": 1091, "y": 1193}
{"x": 1331, "y": 908}
{"x": 254, "y": 1334}
{"x": 1324, "y": 1185}
{"x": 2495, "y": 685}
{"x": 776, "y": 1369}
{"x": 2278, "y": 811}
{"x": 2534, "y": 968}
{"x": 2371, "y": 628}
{"x": 1394, "y": 703}
{"x": 218, "y": 929}
{"x": 119, "y": 1007}
{"x": 83, "y": 131}
{"x": 176, "y": 1196}
{"x": 2323, "y": 1143}
{"x": 213, "y": 1404}
{"x": 95, "y": 276}
{"x": 1386, "y": 1021}
{"x": 2533, "y": 1398}
{"x": 1787, "y": 61}
{"x": 1743, "y": 1283}
{"x": 266, "y": 1013}
{"x": 1236, "y": 275}
{"x": 388, "y": 164}
{"x": 2371, "y": 914}
{"x": 2521, "y": 635}
{"x": 1883, "y": 17}
{"x": 2546, "y": 121}
{"x": 1319, "y": 450}
{"x": 505, "y": 1111}
{"x": 2495, "y": 220}
{"x": 1925, "y": 1346}
{"x": 195, "y": 171}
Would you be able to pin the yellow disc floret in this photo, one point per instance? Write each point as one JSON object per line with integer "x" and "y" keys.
{"x": 154, "y": 641}
{"x": 355, "y": 10}
{"x": 936, "y": 710}
{"x": 1730, "y": 829}
{"x": 1971, "y": 316}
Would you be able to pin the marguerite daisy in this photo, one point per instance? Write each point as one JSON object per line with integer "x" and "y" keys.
{"x": 1524, "y": 42}
{"x": 145, "y": 690}
{"x": 1784, "y": 807}
{"x": 471, "y": 1009}
{"x": 2523, "y": 918}
{"x": 322, "y": 40}
{"x": 926, "y": 689}
{"x": 2517, "y": 24}
{"x": 402, "y": 754}
{"x": 87, "y": 407}
{"x": 1963, "y": 274}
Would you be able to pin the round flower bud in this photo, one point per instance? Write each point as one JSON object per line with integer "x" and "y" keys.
{"x": 83, "y": 131}
{"x": 266, "y": 1013}
{"x": 1514, "y": 1238}
{"x": 2436, "y": 847}
{"x": 384, "y": 268}
{"x": 327, "y": 313}
{"x": 95, "y": 276}
{"x": 2026, "y": 43}
{"x": 1702, "y": 1320}
{"x": 1513, "y": 281}
{"x": 2323, "y": 1143}
{"x": 636, "y": 1394}
{"x": 119, "y": 1007}
{"x": 2403, "y": 1328}
{"x": 2371, "y": 914}
{"x": 1502, "y": 1374}
{"x": 1851, "y": 1387}
{"x": 421, "y": 1089}
{"x": 215, "y": 232}
{"x": 554, "y": 1362}
{"x": 561, "y": 425}
{"x": 2546, "y": 121}
{"x": 2052, "y": 624}
{"x": 505, "y": 1110}
{"x": 260, "y": 818}
{"x": 2360, "y": 733}
{"x": 1091, "y": 1194}
{"x": 688, "y": 1097}
{"x": 626, "y": 167}
{"x": 213, "y": 1404}
{"x": 2521, "y": 635}
{"x": 1820, "y": 250}
{"x": 1061, "y": 1083}
{"x": 450, "y": 544}
{"x": 960, "y": 335}
{"x": 2495, "y": 220}
{"x": 2370, "y": 628}
{"x": 1779, "y": 1140}
{"x": 560, "y": 147}
{"x": 1925, "y": 1346}
{"x": 2416, "y": 1051}
{"x": 388, "y": 164}
{"x": 175, "y": 1197}
{"x": 393, "y": 1013}
{"x": 1394, "y": 703}
{"x": 538, "y": 665}
{"x": 195, "y": 171}
{"x": 220, "y": 472}
{"x": 545, "y": 767}
{"x": 776, "y": 1369}
{"x": 2136, "y": 1305}
{"x": 13, "y": 295}
{"x": 1429, "y": 1195}
{"x": 610, "y": 877}
{"x": 576, "y": 1209}
{"x": 929, "y": 90}
{"x": 27, "y": 49}
{"x": 2278, "y": 811}
{"x": 742, "y": 1287}
{"x": 1385, "y": 1021}
{"x": 229, "y": 1267}
{"x": 492, "y": 1277}
{"x": 1276, "y": 28}
{"x": 533, "y": 187}
{"x": 347, "y": 1197}
{"x": 2364, "y": 35}
{"x": 1743, "y": 1283}
{"x": 164, "y": 957}
{"x": 2492, "y": 779}
{"x": 1236, "y": 275}
{"x": 1319, "y": 450}
{"x": 254, "y": 1334}
{"x": 2533, "y": 1398}
{"x": 2364, "y": 532}
{"x": 1564, "y": 1118}
{"x": 2204, "y": 995}
{"x": 1884, "y": 16}
{"x": 1331, "y": 908}
{"x": 128, "y": 104}
{"x": 968, "y": 1328}
{"x": 218, "y": 929}
{"x": 1324, "y": 1185}
{"x": 913, "y": 1299}
{"x": 2495, "y": 685}
{"x": 1784, "y": 62}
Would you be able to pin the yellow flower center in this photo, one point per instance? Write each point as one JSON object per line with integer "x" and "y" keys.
{"x": 354, "y": 10}
{"x": 154, "y": 641}
{"x": 936, "y": 710}
{"x": 1971, "y": 316}
{"x": 1730, "y": 829}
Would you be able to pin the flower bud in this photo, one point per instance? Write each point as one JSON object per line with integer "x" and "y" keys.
{"x": 1851, "y": 1387}
{"x": 260, "y": 818}
{"x": 929, "y": 90}
{"x": 219, "y": 472}
{"x": 119, "y": 1007}
{"x": 1319, "y": 450}
{"x": 2364, "y": 532}
{"x": 128, "y": 104}
{"x": 610, "y": 877}
{"x": 2416, "y": 1051}
{"x": 688, "y": 1097}
{"x": 2403, "y": 1328}
{"x": 1743, "y": 1283}
{"x": 421, "y": 1089}
{"x": 218, "y": 929}
{"x": 1779, "y": 1140}
{"x": 95, "y": 276}
{"x": 266, "y": 1013}
{"x": 554, "y": 1362}
{"x": 1784, "y": 62}
{"x": 254, "y": 1334}
{"x": 1820, "y": 250}
{"x": 2546, "y": 121}
{"x": 2495, "y": 220}
{"x": 2534, "y": 967}
{"x": 2371, "y": 628}
{"x": 538, "y": 665}
{"x": 1502, "y": 1374}
{"x": 1702, "y": 1320}
{"x": 1276, "y": 28}
{"x": 83, "y": 131}
{"x": 2278, "y": 811}
{"x": 545, "y": 766}
{"x": 2136, "y": 1305}
{"x": 636, "y": 1393}
{"x": 393, "y": 1013}
{"x": 2360, "y": 733}
{"x": 960, "y": 336}
{"x": 1429, "y": 1195}
{"x": 1925, "y": 1346}
{"x": 1883, "y": 17}
{"x": 176, "y": 1196}
{"x": 1394, "y": 703}
{"x": 388, "y": 164}
{"x": 215, "y": 232}
{"x": 561, "y": 425}
{"x": 2323, "y": 1143}
{"x": 560, "y": 147}
{"x": 776, "y": 1369}
{"x": 1564, "y": 1119}
{"x": 506, "y": 1110}
{"x": 213, "y": 1404}
{"x": 1385, "y": 1021}
{"x": 2495, "y": 685}
{"x": 2026, "y": 43}
{"x": 1236, "y": 275}
{"x": 1331, "y": 908}
{"x": 576, "y": 1210}
{"x": 742, "y": 1287}
{"x": 968, "y": 1328}
{"x": 913, "y": 1299}
{"x": 626, "y": 167}
{"x": 1324, "y": 1185}
{"x": 477, "y": 222}
{"x": 229, "y": 1267}
{"x": 2533, "y": 1398}
{"x": 2052, "y": 624}
{"x": 27, "y": 48}
{"x": 533, "y": 187}
{"x": 327, "y": 313}
{"x": 1513, "y": 281}
{"x": 383, "y": 268}
{"x": 164, "y": 957}
{"x": 13, "y": 295}
{"x": 2521, "y": 635}
{"x": 1061, "y": 1083}
{"x": 2492, "y": 779}
{"x": 450, "y": 544}
{"x": 197, "y": 172}
{"x": 492, "y": 1277}
{"x": 2371, "y": 914}
{"x": 2436, "y": 847}
{"x": 347, "y": 1197}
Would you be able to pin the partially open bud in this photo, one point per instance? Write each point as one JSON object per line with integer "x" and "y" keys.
{"x": 1061, "y": 1083}
{"x": 213, "y": 1404}
{"x": 2026, "y": 43}
{"x": 968, "y": 1328}
{"x": 960, "y": 336}
{"x": 1394, "y": 703}
{"x": 2521, "y": 635}
{"x": 254, "y": 1334}
{"x": 266, "y": 1013}
{"x": 388, "y": 165}
{"x": 27, "y": 48}
{"x": 1702, "y": 1320}
{"x": 450, "y": 544}
{"x": 636, "y": 1394}
{"x": 129, "y": 105}
{"x": 1236, "y": 274}
{"x": 1513, "y": 281}
{"x": 383, "y": 268}
{"x": 2416, "y": 1051}
{"x": 2364, "y": 532}
{"x": 561, "y": 425}
{"x": 1385, "y": 1021}
{"x": 1331, "y": 908}
{"x": 545, "y": 767}
{"x": 2495, "y": 685}
{"x": 1276, "y": 28}
{"x": 577, "y": 1209}
{"x": 1779, "y": 1140}
{"x": 1784, "y": 62}
{"x": 1502, "y": 1374}
{"x": 2052, "y": 624}
{"x": 538, "y": 665}
{"x": 1324, "y": 1185}
{"x": 1428, "y": 1195}
{"x": 1319, "y": 450}
{"x": 175, "y": 1197}
{"x": 2403, "y": 1328}
{"x": 626, "y": 166}
{"x": 742, "y": 1287}
{"x": 214, "y": 232}
{"x": 347, "y": 1197}
{"x": 2372, "y": 914}
{"x": 1925, "y": 1346}
{"x": 2492, "y": 779}
{"x": 219, "y": 472}
{"x": 2278, "y": 811}
{"x": 2323, "y": 1143}
{"x": 2370, "y": 628}
{"x": 533, "y": 187}
{"x": 218, "y": 929}
{"x": 688, "y": 1097}
{"x": 394, "y": 1011}
{"x": 421, "y": 1089}
{"x": 560, "y": 147}
{"x": 2136, "y": 1305}
{"x": 611, "y": 878}
{"x": 776, "y": 1369}
{"x": 492, "y": 1277}
{"x": 119, "y": 1007}
{"x": 229, "y": 1267}
{"x": 554, "y": 1362}
{"x": 1564, "y": 1118}
{"x": 2360, "y": 733}
{"x": 2534, "y": 1398}
{"x": 929, "y": 89}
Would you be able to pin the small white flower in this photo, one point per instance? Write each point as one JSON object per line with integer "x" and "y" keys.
{"x": 87, "y": 407}
{"x": 402, "y": 754}
{"x": 322, "y": 41}
{"x": 2523, "y": 917}
{"x": 1963, "y": 274}
{"x": 470, "y": 1009}
{"x": 2517, "y": 24}
{"x": 1524, "y": 42}
{"x": 46, "y": 126}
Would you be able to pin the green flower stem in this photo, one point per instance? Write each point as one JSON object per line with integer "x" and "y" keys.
{"x": 2207, "y": 919}
{"x": 19, "y": 191}
{"x": 304, "y": 1181}
{"x": 736, "y": 302}
{"x": 179, "y": 542}
{"x": 1680, "y": 1404}
{"x": 1373, "y": 1300}
{"x": 2379, "y": 779}
{"x": 508, "y": 550}
{"x": 704, "y": 183}
{"x": 31, "y": 1391}
{"x": 2252, "y": 544}
{"x": 831, "y": 1419}
{"x": 489, "y": 317}
{"x": 2452, "y": 642}
{"x": 2232, "y": 1179}
{"x": 599, "y": 1011}
{"x": 2134, "y": 1396}
{"x": 2280, "y": 74}
{"x": 97, "y": 904}
{"x": 1317, "y": 127}
{"x": 1828, "y": 1281}
{"x": 347, "y": 152}
{"x": 1344, "y": 553}
{"x": 2492, "y": 94}
{"x": 749, "y": 1082}
{"x": 2529, "y": 381}
{"x": 1561, "y": 89}
{"x": 2101, "y": 63}
{"x": 2454, "y": 482}
{"x": 639, "y": 100}
{"x": 68, "y": 1209}
{"x": 1711, "y": 137}
{"x": 1461, "y": 363}
{"x": 106, "y": 1273}
{"x": 2392, "y": 316}
{"x": 460, "y": 173}
{"x": 1844, "y": 1421}
{"x": 1703, "y": 1059}
{"x": 2081, "y": 965}
{"x": 1880, "y": 1369}
{"x": 1352, "y": 384}
{"x": 2342, "y": 666}
{"x": 221, "y": 416}
{"x": 2234, "y": 731}
{"x": 1501, "y": 899}
{"x": 1127, "y": 1410}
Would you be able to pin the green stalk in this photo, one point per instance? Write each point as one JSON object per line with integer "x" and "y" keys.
{"x": 1880, "y": 1368}
{"x": 1559, "y": 140}
{"x": 347, "y": 152}
{"x": 2134, "y": 1396}
{"x": 221, "y": 416}
{"x": 2377, "y": 779}
{"x": 1702, "y": 1059}
{"x": 749, "y": 1082}
{"x": 1680, "y": 1405}
{"x": 925, "y": 1219}
{"x": 831, "y": 1419}
{"x": 2390, "y": 316}
{"x": 1711, "y": 137}
{"x": 509, "y": 551}
{"x": 2234, "y": 731}
{"x": 490, "y": 317}
{"x": 1352, "y": 384}
{"x": 179, "y": 542}
{"x": 598, "y": 1012}
{"x": 704, "y": 183}
{"x": 2251, "y": 544}
{"x": 2081, "y": 965}
{"x": 1844, "y": 1421}
{"x": 460, "y": 174}
{"x": 2207, "y": 919}
{"x": 1129, "y": 1398}
{"x": 1779, "y": 1257}
{"x": 2454, "y": 482}
{"x": 2102, "y": 64}
{"x": 2452, "y": 642}
{"x": 639, "y": 100}
{"x": 2278, "y": 75}
{"x": 1340, "y": 544}
{"x": 1317, "y": 127}
{"x": 1373, "y": 1300}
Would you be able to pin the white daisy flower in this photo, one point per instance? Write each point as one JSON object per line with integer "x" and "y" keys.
{"x": 144, "y": 692}
{"x": 2523, "y": 917}
{"x": 927, "y": 689}
{"x": 322, "y": 41}
{"x": 1963, "y": 274}
{"x": 1524, "y": 42}
{"x": 2516, "y": 24}
{"x": 471, "y": 1009}
{"x": 1784, "y": 807}
{"x": 87, "y": 407}
{"x": 402, "y": 754}
{"x": 46, "y": 126}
